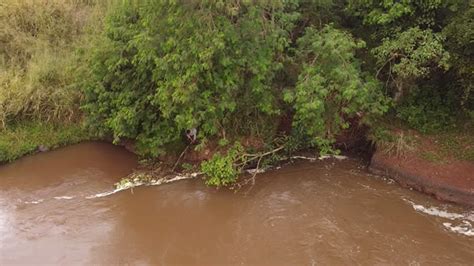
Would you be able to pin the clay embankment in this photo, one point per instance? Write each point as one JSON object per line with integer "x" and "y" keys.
{"x": 451, "y": 181}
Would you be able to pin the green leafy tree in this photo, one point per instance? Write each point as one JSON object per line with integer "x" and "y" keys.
{"x": 460, "y": 44}
{"x": 410, "y": 55}
{"x": 419, "y": 45}
{"x": 331, "y": 88}
{"x": 393, "y": 16}
{"x": 165, "y": 67}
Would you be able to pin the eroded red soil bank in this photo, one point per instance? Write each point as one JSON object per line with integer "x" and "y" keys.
{"x": 451, "y": 181}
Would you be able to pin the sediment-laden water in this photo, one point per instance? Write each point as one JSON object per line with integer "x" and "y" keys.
{"x": 323, "y": 212}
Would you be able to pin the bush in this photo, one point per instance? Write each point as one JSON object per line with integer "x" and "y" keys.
{"x": 428, "y": 110}
{"x": 221, "y": 170}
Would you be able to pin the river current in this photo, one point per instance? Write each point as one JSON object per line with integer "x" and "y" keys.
{"x": 59, "y": 208}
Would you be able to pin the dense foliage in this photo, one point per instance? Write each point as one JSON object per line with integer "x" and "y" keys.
{"x": 302, "y": 71}
{"x": 204, "y": 66}
{"x": 220, "y": 67}
{"x": 331, "y": 88}
{"x": 421, "y": 45}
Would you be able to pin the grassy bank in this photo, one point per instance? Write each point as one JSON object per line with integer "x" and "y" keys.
{"x": 40, "y": 59}
{"x": 25, "y": 137}
{"x": 455, "y": 144}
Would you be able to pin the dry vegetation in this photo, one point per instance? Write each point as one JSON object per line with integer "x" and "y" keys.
{"x": 38, "y": 60}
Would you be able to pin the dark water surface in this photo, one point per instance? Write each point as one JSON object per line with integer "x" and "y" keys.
{"x": 324, "y": 212}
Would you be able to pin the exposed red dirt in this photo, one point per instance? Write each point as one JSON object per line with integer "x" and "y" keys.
{"x": 451, "y": 181}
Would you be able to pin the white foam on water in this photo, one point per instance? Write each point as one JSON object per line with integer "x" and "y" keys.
{"x": 339, "y": 157}
{"x": 64, "y": 197}
{"x": 103, "y": 194}
{"x": 465, "y": 228}
{"x": 162, "y": 181}
{"x": 462, "y": 223}
{"x": 134, "y": 184}
{"x": 323, "y": 157}
{"x": 255, "y": 171}
{"x": 304, "y": 158}
{"x": 34, "y": 201}
{"x": 440, "y": 213}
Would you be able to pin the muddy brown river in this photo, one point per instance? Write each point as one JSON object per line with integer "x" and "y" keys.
{"x": 328, "y": 212}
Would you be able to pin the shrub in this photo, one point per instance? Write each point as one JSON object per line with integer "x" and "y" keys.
{"x": 222, "y": 170}
{"x": 428, "y": 110}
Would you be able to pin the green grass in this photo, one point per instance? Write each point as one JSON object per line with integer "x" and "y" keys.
{"x": 458, "y": 144}
{"x": 455, "y": 143}
{"x": 24, "y": 138}
{"x": 432, "y": 157}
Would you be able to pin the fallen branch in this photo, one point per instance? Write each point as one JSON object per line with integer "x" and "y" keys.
{"x": 179, "y": 158}
{"x": 251, "y": 157}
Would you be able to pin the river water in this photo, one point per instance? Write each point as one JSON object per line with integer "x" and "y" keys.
{"x": 306, "y": 213}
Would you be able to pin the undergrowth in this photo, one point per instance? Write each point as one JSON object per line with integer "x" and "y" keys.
{"x": 429, "y": 110}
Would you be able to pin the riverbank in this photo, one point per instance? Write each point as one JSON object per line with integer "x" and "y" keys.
{"x": 25, "y": 138}
{"x": 440, "y": 165}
